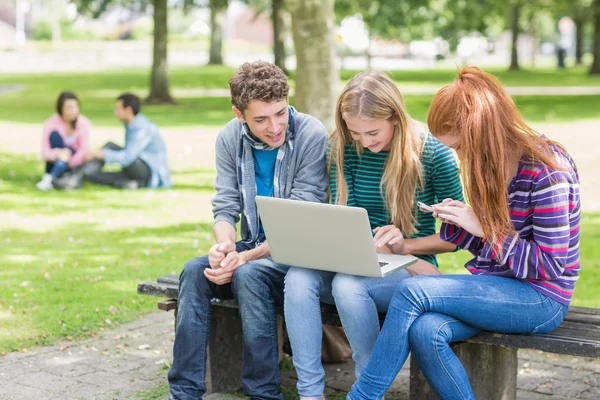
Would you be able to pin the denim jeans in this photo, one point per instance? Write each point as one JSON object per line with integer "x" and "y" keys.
{"x": 428, "y": 312}
{"x": 304, "y": 290}
{"x": 58, "y": 167}
{"x": 258, "y": 288}
{"x": 137, "y": 171}
{"x": 359, "y": 301}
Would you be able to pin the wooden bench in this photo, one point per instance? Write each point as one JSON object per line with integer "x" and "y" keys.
{"x": 490, "y": 359}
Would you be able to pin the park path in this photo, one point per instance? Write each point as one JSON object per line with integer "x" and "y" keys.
{"x": 119, "y": 364}
{"x": 193, "y": 148}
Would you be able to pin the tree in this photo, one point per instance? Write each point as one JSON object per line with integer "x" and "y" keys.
{"x": 159, "y": 77}
{"x": 278, "y": 17}
{"x": 595, "y": 69}
{"x": 582, "y": 12}
{"x": 218, "y": 9}
{"x": 579, "y": 25}
{"x": 277, "y": 12}
{"x": 316, "y": 73}
{"x": 408, "y": 20}
{"x": 57, "y": 11}
{"x": 514, "y": 29}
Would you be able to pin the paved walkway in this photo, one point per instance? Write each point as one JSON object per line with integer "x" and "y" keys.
{"x": 118, "y": 364}
{"x": 114, "y": 365}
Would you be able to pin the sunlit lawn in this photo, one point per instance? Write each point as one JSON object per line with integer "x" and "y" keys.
{"x": 98, "y": 90}
{"x": 70, "y": 261}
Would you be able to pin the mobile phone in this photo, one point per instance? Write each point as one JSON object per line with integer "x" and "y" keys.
{"x": 425, "y": 206}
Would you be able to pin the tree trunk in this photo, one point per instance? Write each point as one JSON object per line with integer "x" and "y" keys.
{"x": 535, "y": 40}
{"x": 279, "y": 34}
{"x": 56, "y": 17}
{"x": 595, "y": 69}
{"x": 368, "y": 53}
{"x": 579, "y": 23}
{"x": 514, "y": 28}
{"x": 316, "y": 73}
{"x": 218, "y": 8}
{"x": 20, "y": 23}
{"x": 159, "y": 81}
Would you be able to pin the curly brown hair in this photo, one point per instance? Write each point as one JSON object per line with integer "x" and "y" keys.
{"x": 258, "y": 80}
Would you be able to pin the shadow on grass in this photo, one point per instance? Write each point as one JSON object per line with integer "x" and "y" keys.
{"x": 64, "y": 287}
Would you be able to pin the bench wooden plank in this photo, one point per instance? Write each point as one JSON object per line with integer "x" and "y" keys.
{"x": 579, "y": 334}
{"x": 483, "y": 355}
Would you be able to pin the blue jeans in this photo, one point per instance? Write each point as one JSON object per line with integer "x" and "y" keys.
{"x": 59, "y": 167}
{"x": 304, "y": 291}
{"x": 258, "y": 288}
{"x": 427, "y": 313}
{"x": 359, "y": 301}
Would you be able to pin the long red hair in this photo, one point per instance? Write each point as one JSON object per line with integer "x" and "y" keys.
{"x": 490, "y": 132}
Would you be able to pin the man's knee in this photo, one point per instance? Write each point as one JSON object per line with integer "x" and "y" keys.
{"x": 193, "y": 272}
{"x": 111, "y": 146}
{"x": 255, "y": 278}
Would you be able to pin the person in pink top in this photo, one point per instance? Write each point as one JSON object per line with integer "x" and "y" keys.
{"x": 66, "y": 140}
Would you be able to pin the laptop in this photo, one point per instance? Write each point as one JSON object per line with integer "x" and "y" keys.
{"x": 327, "y": 237}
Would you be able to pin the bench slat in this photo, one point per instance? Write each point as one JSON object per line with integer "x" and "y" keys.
{"x": 172, "y": 279}
{"x": 159, "y": 290}
{"x": 551, "y": 342}
{"x": 585, "y": 315}
{"x": 578, "y": 335}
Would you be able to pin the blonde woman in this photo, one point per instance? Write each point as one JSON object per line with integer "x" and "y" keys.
{"x": 384, "y": 161}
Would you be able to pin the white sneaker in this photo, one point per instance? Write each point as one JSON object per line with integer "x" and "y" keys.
{"x": 46, "y": 183}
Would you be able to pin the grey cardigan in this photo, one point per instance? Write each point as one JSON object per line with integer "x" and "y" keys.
{"x": 306, "y": 173}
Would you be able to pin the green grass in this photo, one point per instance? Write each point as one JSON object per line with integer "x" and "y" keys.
{"x": 98, "y": 90}
{"x": 71, "y": 261}
{"x": 158, "y": 393}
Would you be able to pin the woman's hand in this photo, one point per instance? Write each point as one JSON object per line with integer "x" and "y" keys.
{"x": 390, "y": 237}
{"x": 460, "y": 214}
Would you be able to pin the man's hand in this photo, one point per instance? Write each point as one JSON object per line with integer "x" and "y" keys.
{"x": 224, "y": 272}
{"x": 390, "y": 237}
{"x": 217, "y": 253}
{"x": 219, "y": 276}
{"x": 94, "y": 155}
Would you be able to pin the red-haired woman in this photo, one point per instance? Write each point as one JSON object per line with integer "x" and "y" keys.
{"x": 521, "y": 224}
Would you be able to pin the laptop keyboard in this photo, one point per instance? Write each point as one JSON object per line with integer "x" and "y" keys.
{"x": 382, "y": 264}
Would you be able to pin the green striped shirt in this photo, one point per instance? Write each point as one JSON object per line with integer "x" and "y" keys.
{"x": 364, "y": 173}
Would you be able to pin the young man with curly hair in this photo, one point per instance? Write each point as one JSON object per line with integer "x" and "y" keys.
{"x": 268, "y": 149}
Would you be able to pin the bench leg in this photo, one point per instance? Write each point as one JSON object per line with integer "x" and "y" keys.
{"x": 492, "y": 372}
{"x": 224, "y": 367}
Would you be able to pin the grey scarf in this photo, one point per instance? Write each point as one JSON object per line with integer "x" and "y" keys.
{"x": 247, "y": 177}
